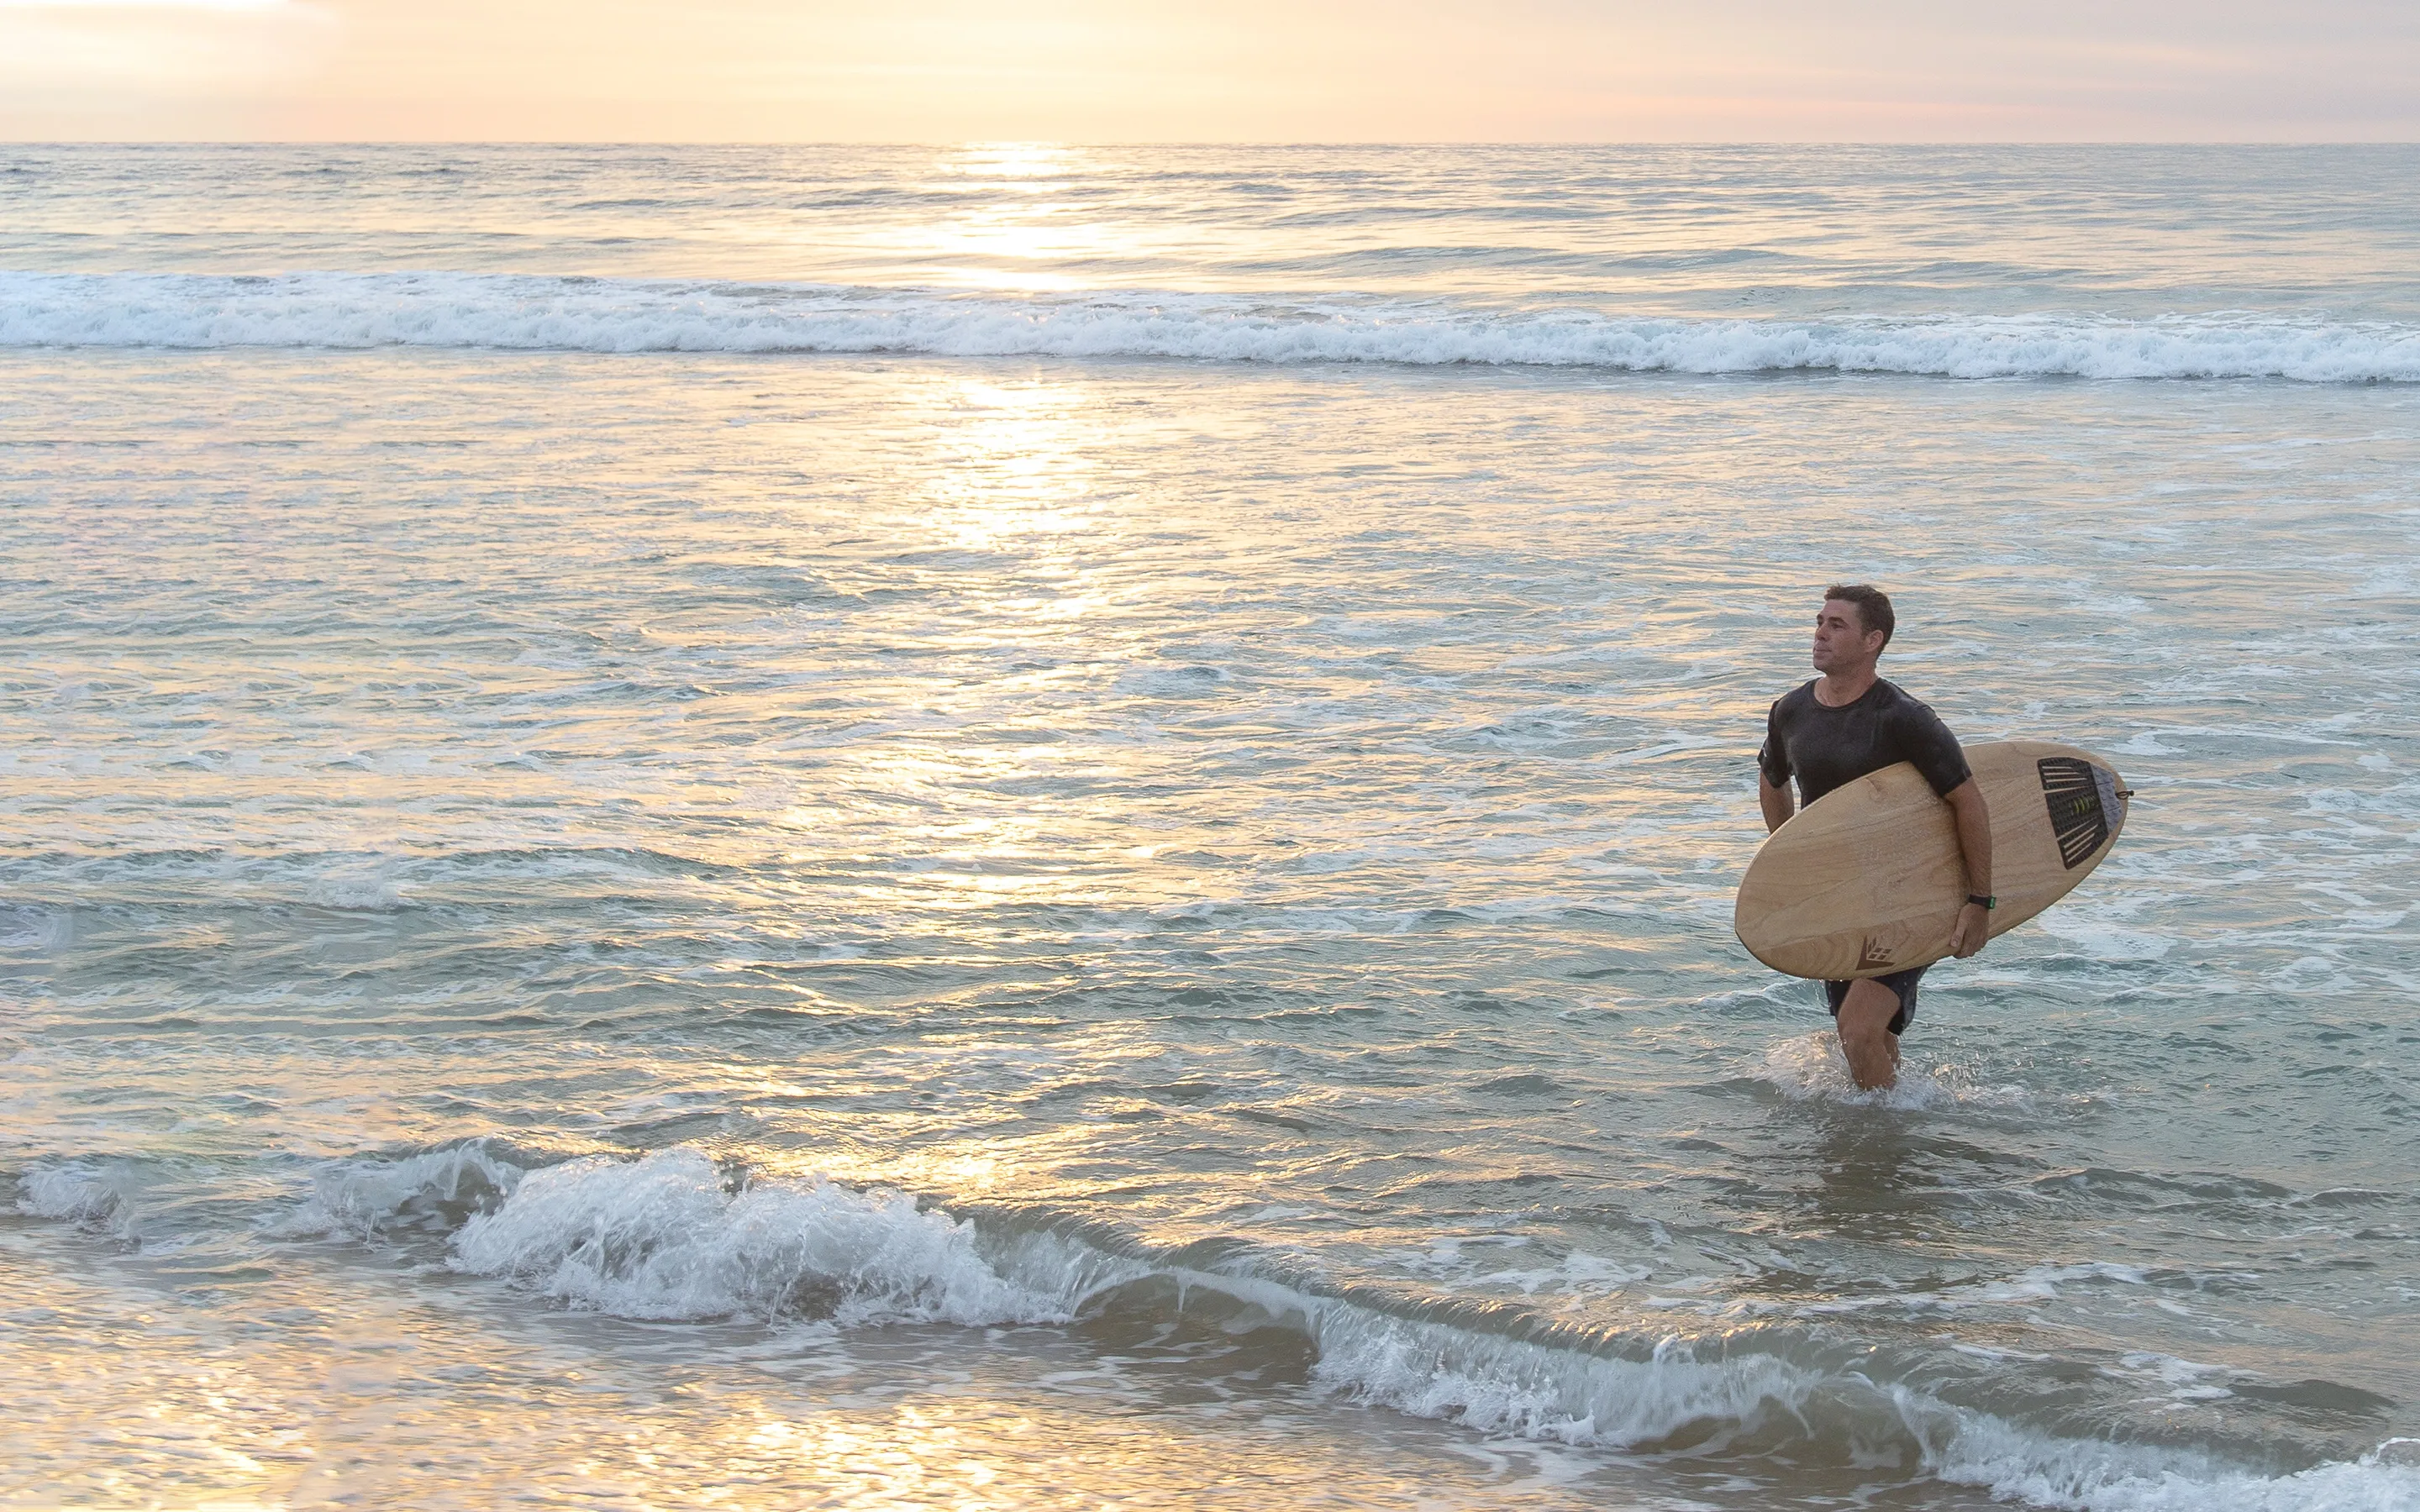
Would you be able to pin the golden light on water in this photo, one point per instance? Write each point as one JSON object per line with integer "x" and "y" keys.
{"x": 1018, "y": 218}
{"x": 1009, "y": 472}
{"x": 968, "y": 1454}
{"x": 777, "y": 901}
{"x": 1014, "y": 159}
{"x": 1006, "y": 448}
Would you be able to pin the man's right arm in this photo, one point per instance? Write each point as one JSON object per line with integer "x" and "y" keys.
{"x": 1773, "y": 796}
{"x": 1777, "y": 802}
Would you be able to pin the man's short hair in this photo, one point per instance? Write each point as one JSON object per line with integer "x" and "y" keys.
{"x": 1873, "y": 608}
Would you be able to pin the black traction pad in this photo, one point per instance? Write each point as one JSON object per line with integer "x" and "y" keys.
{"x": 2080, "y": 795}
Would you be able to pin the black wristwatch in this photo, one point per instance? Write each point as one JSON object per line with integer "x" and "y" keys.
{"x": 1982, "y": 901}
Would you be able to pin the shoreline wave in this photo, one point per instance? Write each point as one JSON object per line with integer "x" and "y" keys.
{"x": 675, "y": 1235}
{"x": 346, "y": 311}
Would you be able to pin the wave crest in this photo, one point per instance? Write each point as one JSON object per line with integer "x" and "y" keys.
{"x": 667, "y": 1238}
{"x": 519, "y": 312}
{"x": 674, "y": 1236}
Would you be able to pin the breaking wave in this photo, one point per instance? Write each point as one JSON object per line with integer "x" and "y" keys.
{"x": 515, "y": 311}
{"x": 676, "y": 1236}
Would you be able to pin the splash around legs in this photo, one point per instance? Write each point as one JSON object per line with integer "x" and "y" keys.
{"x": 1866, "y": 1038}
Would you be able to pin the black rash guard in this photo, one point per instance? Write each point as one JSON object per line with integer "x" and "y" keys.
{"x": 1825, "y": 748}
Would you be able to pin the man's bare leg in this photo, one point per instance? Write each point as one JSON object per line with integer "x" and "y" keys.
{"x": 1866, "y": 1038}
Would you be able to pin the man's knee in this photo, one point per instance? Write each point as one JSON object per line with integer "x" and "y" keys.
{"x": 1866, "y": 1012}
{"x": 1865, "y": 1020}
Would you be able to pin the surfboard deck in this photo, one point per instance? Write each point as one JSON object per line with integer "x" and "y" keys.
{"x": 1867, "y": 880}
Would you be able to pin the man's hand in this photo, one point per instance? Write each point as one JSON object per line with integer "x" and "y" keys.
{"x": 1974, "y": 927}
{"x": 1974, "y": 818}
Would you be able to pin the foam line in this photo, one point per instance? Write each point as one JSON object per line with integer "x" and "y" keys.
{"x": 666, "y": 1238}
{"x": 513, "y": 312}
{"x": 71, "y": 1190}
{"x": 673, "y": 1236}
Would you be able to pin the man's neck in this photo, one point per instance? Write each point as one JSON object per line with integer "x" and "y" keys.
{"x": 1837, "y": 689}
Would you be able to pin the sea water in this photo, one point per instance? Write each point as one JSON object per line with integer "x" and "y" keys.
{"x": 1028, "y": 828}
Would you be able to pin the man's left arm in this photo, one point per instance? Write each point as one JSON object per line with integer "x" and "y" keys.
{"x": 1974, "y": 819}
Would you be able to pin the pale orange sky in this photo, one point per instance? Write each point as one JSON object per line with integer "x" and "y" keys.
{"x": 1136, "y": 70}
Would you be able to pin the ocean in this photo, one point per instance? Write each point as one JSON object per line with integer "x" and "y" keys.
{"x": 1040, "y": 827}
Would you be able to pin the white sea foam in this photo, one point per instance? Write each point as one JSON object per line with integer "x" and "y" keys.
{"x": 1514, "y": 1386}
{"x": 360, "y": 888}
{"x": 2086, "y": 1476}
{"x": 2034, "y": 1284}
{"x": 367, "y": 1197}
{"x": 531, "y": 312}
{"x": 666, "y": 1238}
{"x": 1510, "y": 1386}
{"x": 78, "y": 1193}
{"x": 1810, "y": 1066}
{"x": 671, "y": 1236}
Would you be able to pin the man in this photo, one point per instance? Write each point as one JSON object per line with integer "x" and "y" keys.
{"x": 1837, "y": 728}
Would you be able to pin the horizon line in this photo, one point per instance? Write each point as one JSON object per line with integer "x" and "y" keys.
{"x": 1067, "y": 142}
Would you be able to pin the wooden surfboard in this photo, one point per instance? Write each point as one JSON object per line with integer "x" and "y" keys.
{"x": 1866, "y": 880}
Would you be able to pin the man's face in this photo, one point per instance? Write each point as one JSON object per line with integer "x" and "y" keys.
{"x": 1841, "y": 641}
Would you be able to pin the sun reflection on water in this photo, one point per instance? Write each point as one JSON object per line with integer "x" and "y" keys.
{"x": 1010, "y": 447}
{"x": 1019, "y": 218}
{"x": 1013, "y": 159}
{"x": 1007, "y": 523}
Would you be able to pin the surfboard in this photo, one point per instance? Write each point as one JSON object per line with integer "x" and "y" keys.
{"x": 1866, "y": 880}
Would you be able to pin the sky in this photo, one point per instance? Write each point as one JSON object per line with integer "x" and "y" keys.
{"x": 1228, "y": 70}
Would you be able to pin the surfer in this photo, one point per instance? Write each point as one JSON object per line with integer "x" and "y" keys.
{"x": 1845, "y": 724}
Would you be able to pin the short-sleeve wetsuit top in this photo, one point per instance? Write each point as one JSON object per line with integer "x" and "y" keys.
{"x": 1825, "y": 748}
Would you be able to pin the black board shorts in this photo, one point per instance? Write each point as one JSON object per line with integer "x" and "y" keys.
{"x": 1901, "y": 985}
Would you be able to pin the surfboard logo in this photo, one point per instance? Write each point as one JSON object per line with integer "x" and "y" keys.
{"x": 2077, "y": 815}
{"x": 1876, "y": 954}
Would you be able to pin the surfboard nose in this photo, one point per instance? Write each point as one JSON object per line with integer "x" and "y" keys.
{"x": 2085, "y": 809}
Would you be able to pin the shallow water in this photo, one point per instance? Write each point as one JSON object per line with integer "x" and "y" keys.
{"x": 941, "y": 928}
